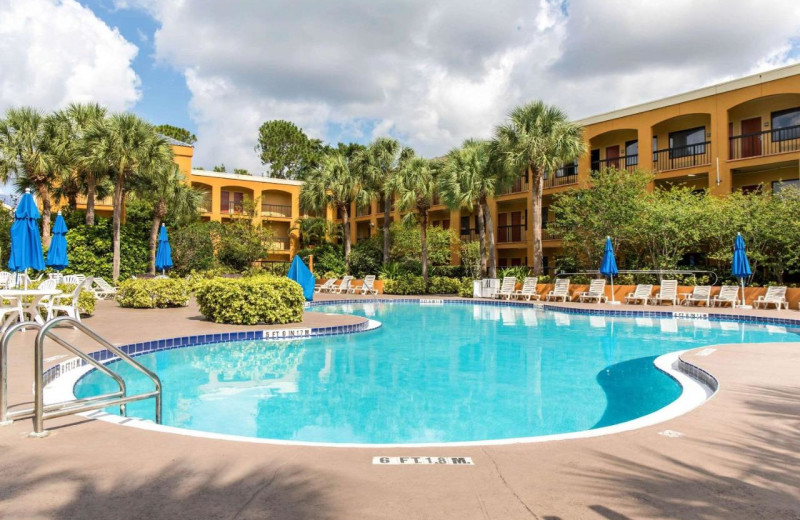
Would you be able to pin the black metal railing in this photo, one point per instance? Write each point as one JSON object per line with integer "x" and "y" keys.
{"x": 768, "y": 142}
{"x": 682, "y": 156}
{"x": 549, "y": 233}
{"x": 363, "y": 211}
{"x": 278, "y": 244}
{"x": 469, "y": 234}
{"x": 276, "y": 210}
{"x": 563, "y": 176}
{"x": 623, "y": 162}
{"x": 513, "y": 233}
{"x": 232, "y": 208}
{"x": 520, "y": 185}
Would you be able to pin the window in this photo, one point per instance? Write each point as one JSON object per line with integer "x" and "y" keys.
{"x": 687, "y": 142}
{"x": 786, "y": 125}
{"x": 778, "y": 186}
{"x": 655, "y": 148}
{"x": 751, "y": 188}
{"x": 595, "y": 160}
{"x": 632, "y": 153}
{"x": 567, "y": 170}
{"x": 545, "y": 214}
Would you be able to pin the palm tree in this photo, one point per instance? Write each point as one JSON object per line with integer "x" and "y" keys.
{"x": 78, "y": 117}
{"x": 124, "y": 145}
{"x": 415, "y": 186}
{"x": 383, "y": 158}
{"x": 335, "y": 183}
{"x": 538, "y": 139}
{"x": 28, "y": 151}
{"x": 467, "y": 180}
{"x": 165, "y": 186}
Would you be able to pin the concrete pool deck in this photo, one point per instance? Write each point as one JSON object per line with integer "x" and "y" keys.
{"x": 734, "y": 457}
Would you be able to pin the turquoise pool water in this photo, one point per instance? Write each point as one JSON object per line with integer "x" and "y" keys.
{"x": 430, "y": 374}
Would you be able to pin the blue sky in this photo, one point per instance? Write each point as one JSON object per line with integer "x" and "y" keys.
{"x": 431, "y": 73}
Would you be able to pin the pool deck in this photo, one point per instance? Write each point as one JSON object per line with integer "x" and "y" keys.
{"x": 737, "y": 456}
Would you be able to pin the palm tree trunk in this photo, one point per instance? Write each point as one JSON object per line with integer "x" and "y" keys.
{"x": 346, "y": 232}
{"x": 90, "y": 189}
{"x": 72, "y": 201}
{"x": 158, "y": 215}
{"x": 44, "y": 195}
{"x": 482, "y": 238}
{"x": 387, "y": 238}
{"x": 537, "y": 185}
{"x": 423, "y": 233}
{"x": 491, "y": 246}
{"x": 116, "y": 224}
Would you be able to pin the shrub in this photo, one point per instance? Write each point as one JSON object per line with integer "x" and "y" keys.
{"x": 91, "y": 252}
{"x": 327, "y": 258}
{"x": 241, "y": 244}
{"x": 444, "y": 285}
{"x": 407, "y": 284}
{"x": 86, "y": 300}
{"x": 247, "y": 301}
{"x": 153, "y": 292}
{"x": 193, "y": 248}
{"x": 465, "y": 288}
{"x": 450, "y": 271}
{"x": 366, "y": 257}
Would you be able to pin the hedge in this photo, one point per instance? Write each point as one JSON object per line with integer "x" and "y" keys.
{"x": 247, "y": 301}
{"x": 149, "y": 293}
{"x": 411, "y": 284}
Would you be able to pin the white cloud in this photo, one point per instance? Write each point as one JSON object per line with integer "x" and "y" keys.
{"x": 55, "y": 52}
{"x": 437, "y": 72}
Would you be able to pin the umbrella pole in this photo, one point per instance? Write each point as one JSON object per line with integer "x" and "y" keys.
{"x": 743, "y": 301}
{"x": 613, "y": 300}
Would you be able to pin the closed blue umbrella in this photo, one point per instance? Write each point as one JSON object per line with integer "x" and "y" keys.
{"x": 609, "y": 265}
{"x": 741, "y": 266}
{"x": 26, "y": 244}
{"x": 57, "y": 255}
{"x": 300, "y": 274}
{"x": 164, "y": 252}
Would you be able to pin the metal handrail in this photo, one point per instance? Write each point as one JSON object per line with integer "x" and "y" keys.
{"x": 658, "y": 272}
{"x": 7, "y": 417}
{"x": 72, "y": 407}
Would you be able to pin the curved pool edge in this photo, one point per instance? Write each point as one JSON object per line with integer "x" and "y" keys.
{"x": 697, "y": 387}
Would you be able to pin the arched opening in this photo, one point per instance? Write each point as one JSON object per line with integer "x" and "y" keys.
{"x": 236, "y": 201}
{"x": 768, "y": 125}
{"x": 276, "y": 203}
{"x": 617, "y": 149}
{"x": 205, "y": 202}
{"x": 682, "y": 142}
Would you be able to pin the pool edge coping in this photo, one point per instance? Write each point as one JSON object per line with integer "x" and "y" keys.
{"x": 697, "y": 385}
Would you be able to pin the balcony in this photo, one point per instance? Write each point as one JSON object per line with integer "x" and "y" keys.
{"x": 278, "y": 244}
{"x": 679, "y": 157}
{"x": 364, "y": 212}
{"x": 551, "y": 234}
{"x": 276, "y": 210}
{"x": 469, "y": 234}
{"x": 509, "y": 234}
{"x": 627, "y": 162}
{"x": 768, "y": 142}
{"x": 564, "y": 176}
{"x": 521, "y": 185}
{"x": 231, "y": 208}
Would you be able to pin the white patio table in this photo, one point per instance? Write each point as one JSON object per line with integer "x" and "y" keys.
{"x": 29, "y": 308}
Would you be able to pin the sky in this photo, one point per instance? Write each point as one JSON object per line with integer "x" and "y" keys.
{"x": 430, "y": 73}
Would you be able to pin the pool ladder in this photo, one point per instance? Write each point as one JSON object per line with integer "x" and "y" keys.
{"x": 40, "y": 412}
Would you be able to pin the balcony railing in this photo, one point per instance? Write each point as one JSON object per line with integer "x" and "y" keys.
{"x": 469, "y": 234}
{"x": 626, "y": 162}
{"x": 768, "y": 142}
{"x": 231, "y": 208}
{"x": 564, "y": 176}
{"x": 682, "y": 156}
{"x": 363, "y": 212}
{"x": 276, "y": 210}
{"x": 520, "y": 185}
{"x": 513, "y": 233}
{"x": 551, "y": 234}
{"x": 278, "y": 244}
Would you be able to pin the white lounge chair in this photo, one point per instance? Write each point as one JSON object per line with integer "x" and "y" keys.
{"x": 668, "y": 292}
{"x": 366, "y": 287}
{"x": 596, "y": 292}
{"x": 641, "y": 294}
{"x": 46, "y": 302}
{"x": 343, "y": 287}
{"x": 528, "y": 290}
{"x": 776, "y": 295}
{"x": 506, "y": 288}
{"x": 325, "y": 287}
{"x": 69, "y": 304}
{"x": 103, "y": 290}
{"x": 700, "y": 294}
{"x": 560, "y": 291}
{"x": 727, "y": 294}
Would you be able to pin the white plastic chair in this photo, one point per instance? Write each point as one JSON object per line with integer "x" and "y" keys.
{"x": 103, "y": 290}
{"x": 507, "y": 287}
{"x": 640, "y": 295}
{"x": 700, "y": 294}
{"x": 71, "y": 306}
{"x": 325, "y": 287}
{"x": 596, "y": 292}
{"x": 366, "y": 287}
{"x": 727, "y": 294}
{"x": 776, "y": 295}
{"x": 560, "y": 291}
{"x": 343, "y": 287}
{"x": 667, "y": 293}
{"x": 528, "y": 290}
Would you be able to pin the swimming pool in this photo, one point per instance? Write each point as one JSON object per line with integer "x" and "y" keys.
{"x": 430, "y": 374}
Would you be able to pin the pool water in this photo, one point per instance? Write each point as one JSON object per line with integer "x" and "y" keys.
{"x": 429, "y": 374}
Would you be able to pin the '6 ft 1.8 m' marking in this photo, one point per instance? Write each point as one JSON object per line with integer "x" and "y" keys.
{"x": 398, "y": 461}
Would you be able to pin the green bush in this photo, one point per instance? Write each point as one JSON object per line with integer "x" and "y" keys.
{"x": 91, "y": 252}
{"x": 408, "y": 284}
{"x": 366, "y": 257}
{"x": 248, "y": 301}
{"x": 150, "y": 293}
{"x": 327, "y": 258}
{"x": 241, "y": 243}
{"x": 465, "y": 288}
{"x": 86, "y": 300}
{"x": 443, "y": 285}
{"x": 193, "y": 248}
{"x": 450, "y": 271}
